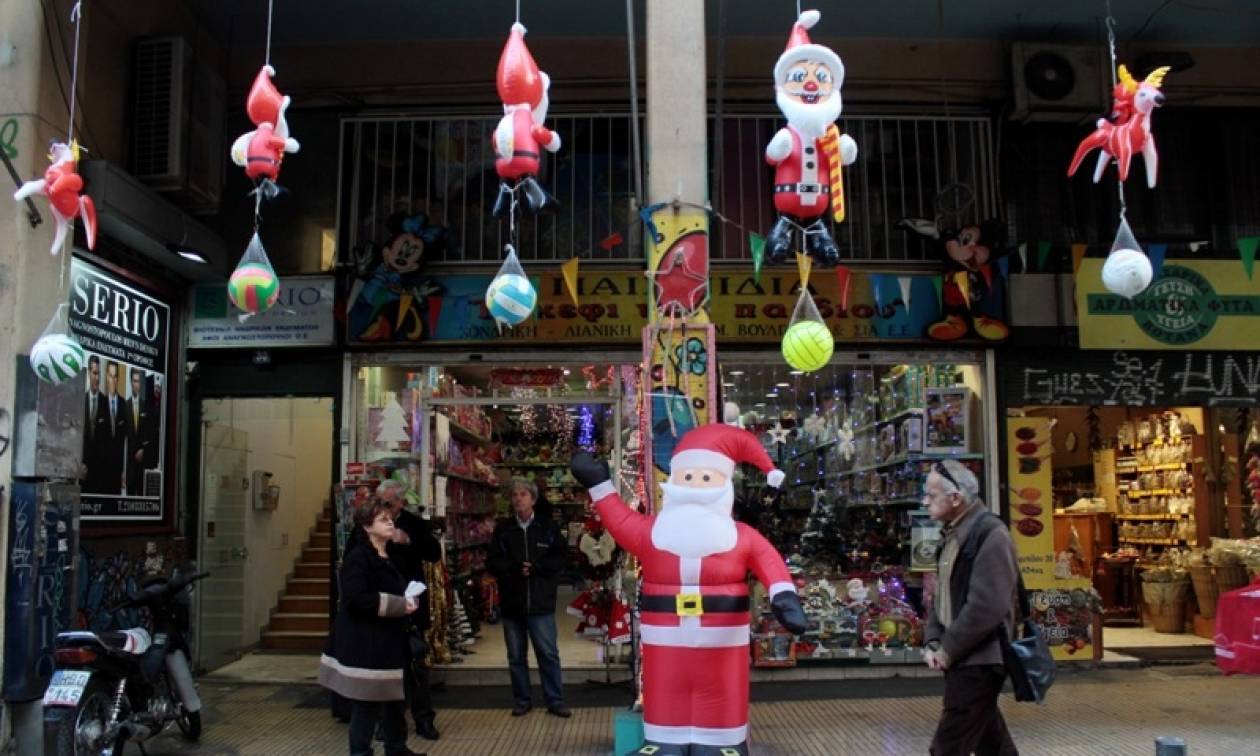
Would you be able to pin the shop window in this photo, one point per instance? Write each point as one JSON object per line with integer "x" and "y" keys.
{"x": 856, "y": 441}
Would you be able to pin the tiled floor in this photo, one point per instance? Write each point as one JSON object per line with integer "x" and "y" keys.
{"x": 1113, "y": 712}
{"x": 1137, "y": 637}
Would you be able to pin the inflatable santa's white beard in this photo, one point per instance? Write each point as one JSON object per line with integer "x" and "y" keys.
{"x": 695, "y": 522}
{"x": 810, "y": 120}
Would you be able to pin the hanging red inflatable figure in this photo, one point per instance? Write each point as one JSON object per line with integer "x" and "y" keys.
{"x": 520, "y": 134}
{"x": 63, "y": 186}
{"x": 1128, "y": 131}
{"x": 261, "y": 151}
{"x": 694, "y": 602}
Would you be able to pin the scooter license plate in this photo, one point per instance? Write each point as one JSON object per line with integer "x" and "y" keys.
{"x": 66, "y": 687}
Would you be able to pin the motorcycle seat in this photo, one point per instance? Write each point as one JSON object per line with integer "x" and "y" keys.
{"x": 134, "y": 641}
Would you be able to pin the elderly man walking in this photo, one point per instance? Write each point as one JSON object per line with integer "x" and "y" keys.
{"x": 977, "y": 579}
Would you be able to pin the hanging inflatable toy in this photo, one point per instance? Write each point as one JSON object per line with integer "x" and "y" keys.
{"x": 808, "y": 153}
{"x": 63, "y": 186}
{"x": 261, "y": 151}
{"x": 520, "y": 135}
{"x": 1127, "y": 132}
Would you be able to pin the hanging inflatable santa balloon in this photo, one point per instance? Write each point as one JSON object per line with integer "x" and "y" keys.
{"x": 261, "y": 151}
{"x": 520, "y": 135}
{"x": 809, "y": 152}
{"x": 694, "y": 602}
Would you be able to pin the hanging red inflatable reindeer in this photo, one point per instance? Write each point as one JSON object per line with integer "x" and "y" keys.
{"x": 1128, "y": 131}
{"x": 63, "y": 186}
{"x": 261, "y": 151}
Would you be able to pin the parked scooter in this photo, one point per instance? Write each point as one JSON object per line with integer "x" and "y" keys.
{"x": 113, "y": 688}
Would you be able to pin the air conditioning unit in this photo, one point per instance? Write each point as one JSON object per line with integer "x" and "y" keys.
{"x": 1065, "y": 83}
{"x": 177, "y": 145}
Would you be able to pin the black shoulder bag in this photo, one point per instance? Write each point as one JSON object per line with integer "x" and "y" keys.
{"x": 1027, "y": 660}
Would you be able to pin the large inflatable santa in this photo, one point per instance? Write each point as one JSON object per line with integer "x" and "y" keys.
{"x": 808, "y": 153}
{"x": 520, "y": 135}
{"x": 694, "y": 602}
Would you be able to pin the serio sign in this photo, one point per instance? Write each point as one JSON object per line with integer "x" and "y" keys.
{"x": 126, "y": 333}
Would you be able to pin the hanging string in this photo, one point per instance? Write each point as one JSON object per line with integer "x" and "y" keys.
{"x": 1111, "y": 48}
{"x": 76, "y": 18}
{"x": 798, "y": 8}
{"x": 267, "y": 57}
{"x": 518, "y": 11}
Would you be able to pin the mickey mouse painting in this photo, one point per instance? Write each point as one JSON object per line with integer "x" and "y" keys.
{"x": 969, "y": 253}
{"x": 389, "y": 304}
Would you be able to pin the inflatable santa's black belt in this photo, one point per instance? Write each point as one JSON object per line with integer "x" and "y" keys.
{"x": 802, "y": 189}
{"x": 686, "y": 604}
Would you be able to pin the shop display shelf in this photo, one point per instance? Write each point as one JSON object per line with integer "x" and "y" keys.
{"x": 897, "y": 502}
{"x": 1139, "y": 494}
{"x": 903, "y": 414}
{"x": 473, "y": 545}
{"x": 465, "y": 478}
{"x": 531, "y": 465}
{"x": 812, "y": 450}
{"x": 1151, "y": 468}
{"x": 1151, "y": 516}
{"x": 465, "y": 434}
{"x": 469, "y": 512}
{"x": 1152, "y": 541}
{"x": 895, "y": 461}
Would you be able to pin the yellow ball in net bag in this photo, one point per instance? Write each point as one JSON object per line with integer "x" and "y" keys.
{"x": 808, "y": 345}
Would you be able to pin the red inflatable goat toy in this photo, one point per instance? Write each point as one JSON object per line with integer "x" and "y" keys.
{"x": 1128, "y": 131}
{"x": 261, "y": 151}
{"x": 63, "y": 186}
{"x": 520, "y": 133}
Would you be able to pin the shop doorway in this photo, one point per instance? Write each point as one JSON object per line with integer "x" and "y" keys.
{"x": 265, "y": 483}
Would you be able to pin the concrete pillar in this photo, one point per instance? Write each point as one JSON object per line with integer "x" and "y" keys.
{"x": 29, "y": 276}
{"x": 676, "y": 101}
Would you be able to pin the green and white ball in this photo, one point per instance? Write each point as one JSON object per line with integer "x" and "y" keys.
{"x": 57, "y": 358}
{"x": 511, "y": 299}
{"x": 808, "y": 345}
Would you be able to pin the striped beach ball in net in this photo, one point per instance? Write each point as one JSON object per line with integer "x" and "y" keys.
{"x": 511, "y": 299}
{"x": 808, "y": 345}
{"x": 253, "y": 287}
{"x": 57, "y": 357}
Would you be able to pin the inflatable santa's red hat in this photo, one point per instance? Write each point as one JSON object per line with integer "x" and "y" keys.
{"x": 720, "y": 447}
{"x": 800, "y": 47}
{"x": 264, "y": 104}
{"x": 518, "y": 78}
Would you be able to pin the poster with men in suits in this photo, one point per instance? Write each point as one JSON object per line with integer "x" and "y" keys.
{"x": 125, "y": 333}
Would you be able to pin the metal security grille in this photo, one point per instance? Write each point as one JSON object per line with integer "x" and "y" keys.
{"x": 443, "y": 167}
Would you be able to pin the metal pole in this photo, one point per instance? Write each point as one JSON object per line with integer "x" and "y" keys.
{"x": 636, "y": 148}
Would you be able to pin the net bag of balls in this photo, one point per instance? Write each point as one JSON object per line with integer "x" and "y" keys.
{"x": 511, "y": 297}
{"x": 807, "y": 342}
{"x": 57, "y": 356}
{"x": 254, "y": 286}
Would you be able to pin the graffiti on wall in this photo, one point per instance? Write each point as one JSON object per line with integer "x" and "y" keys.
{"x": 108, "y": 574}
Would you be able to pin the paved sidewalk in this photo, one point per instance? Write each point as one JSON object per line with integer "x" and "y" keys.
{"x": 1112, "y": 712}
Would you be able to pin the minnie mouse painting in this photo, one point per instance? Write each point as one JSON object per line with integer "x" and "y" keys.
{"x": 389, "y": 304}
{"x": 969, "y": 253}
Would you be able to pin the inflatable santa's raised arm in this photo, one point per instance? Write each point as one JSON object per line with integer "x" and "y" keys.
{"x": 694, "y": 602}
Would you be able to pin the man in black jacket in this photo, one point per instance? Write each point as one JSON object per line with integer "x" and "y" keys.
{"x": 413, "y": 543}
{"x": 527, "y": 556}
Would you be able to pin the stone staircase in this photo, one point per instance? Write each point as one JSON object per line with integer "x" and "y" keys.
{"x": 299, "y": 622}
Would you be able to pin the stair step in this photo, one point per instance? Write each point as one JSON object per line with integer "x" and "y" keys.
{"x": 307, "y": 587}
{"x": 323, "y": 555}
{"x": 303, "y": 605}
{"x": 294, "y": 641}
{"x": 321, "y": 540}
{"x": 311, "y": 570}
{"x": 315, "y": 623}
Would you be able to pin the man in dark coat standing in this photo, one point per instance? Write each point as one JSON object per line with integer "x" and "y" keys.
{"x": 414, "y": 543}
{"x": 141, "y": 438}
{"x": 527, "y": 556}
{"x": 95, "y": 430}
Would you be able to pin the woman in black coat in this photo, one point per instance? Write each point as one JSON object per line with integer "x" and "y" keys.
{"x": 369, "y": 640}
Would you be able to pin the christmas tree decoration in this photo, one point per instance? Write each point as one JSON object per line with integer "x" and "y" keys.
{"x": 393, "y": 434}
{"x": 1128, "y": 270}
{"x": 1127, "y": 131}
{"x": 254, "y": 286}
{"x": 511, "y": 297}
{"x": 57, "y": 356}
{"x": 62, "y": 186}
{"x": 807, "y": 154}
{"x": 520, "y": 136}
{"x": 807, "y": 343}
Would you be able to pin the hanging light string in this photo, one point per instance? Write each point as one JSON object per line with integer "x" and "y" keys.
{"x": 76, "y": 18}
{"x": 1111, "y": 48}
